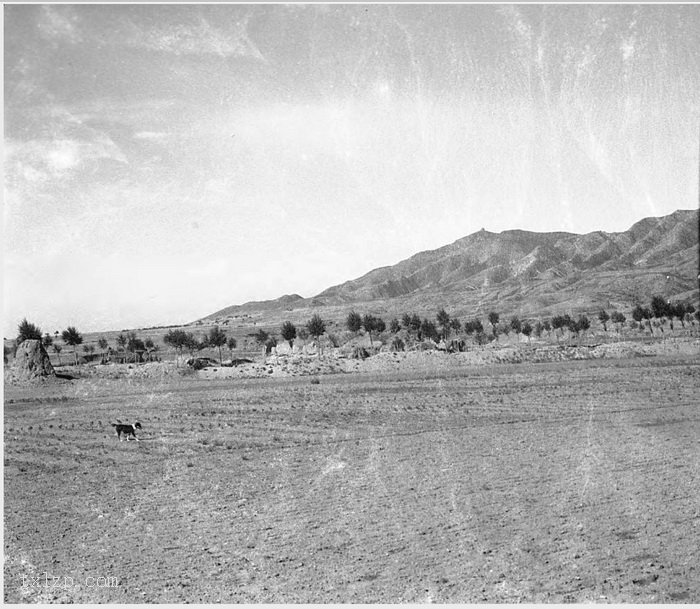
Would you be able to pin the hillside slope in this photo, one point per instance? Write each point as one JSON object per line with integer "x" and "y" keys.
{"x": 524, "y": 271}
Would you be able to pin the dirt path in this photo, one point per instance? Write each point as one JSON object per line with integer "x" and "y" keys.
{"x": 551, "y": 482}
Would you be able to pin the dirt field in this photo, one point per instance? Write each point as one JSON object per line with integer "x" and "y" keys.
{"x": 558, "y": 481}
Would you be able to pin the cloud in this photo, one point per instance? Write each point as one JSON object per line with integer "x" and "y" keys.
{"x": 196, "y": 39}
{"x": 60, "y": 24}
{"x": 627, "y": 48}
{"x": 40, "y": 160}
{"x": 150, "y": 135}
{"x": 520, "y": 30}
{"x": 63, "y": 146}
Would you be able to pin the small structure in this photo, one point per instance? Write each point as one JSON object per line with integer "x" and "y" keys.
{"x": 32, "y": 361}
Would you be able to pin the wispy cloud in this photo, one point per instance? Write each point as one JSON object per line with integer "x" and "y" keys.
{"x": 150, "y": 135}
{"x": 60, "y": 24}
{"x": 200, "y": 38}
{"x": 195, "y": 36}
{"x": 38, "y": 161}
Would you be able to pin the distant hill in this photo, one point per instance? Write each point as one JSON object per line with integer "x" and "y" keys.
{"x": 281, "y": 303}
{"x": 520, "y": 271}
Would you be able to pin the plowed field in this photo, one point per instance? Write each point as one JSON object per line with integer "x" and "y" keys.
{"x": 573, "y": 481}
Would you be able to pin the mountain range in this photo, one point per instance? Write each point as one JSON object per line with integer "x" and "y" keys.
{"x": 516, "y": 271}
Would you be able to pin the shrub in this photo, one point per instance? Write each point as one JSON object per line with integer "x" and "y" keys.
{"x": 482, "y": 338}
{"x": 353, "y": 322}
{"x": 373, "y": 324}
{"x": 217, "y": 338}
{"x": 515, "y": 324}
{"x": 397, "y": 344}
{"x": 289, "y": 332}
{"x": 539, "y": 327}
{"x": 261, "y": 337}
{"x": 443, "y": 320}
{"x": 493, "y": 320}
{"x": 426, "y": 345}
{"x": 360, "y": 353}
{"x": 270, "y": 343}
{"x": 73, "y": 338}
{"x": 583, "y": 323}
{"x": 659, "y": 307}
{"x": 618, "y": 318}
{"x": 415, "y": 324}
{"x": 473, "y": 327}
{"x": 428, "y": 330}
{"x": 316, "y": 326}
{"x": 27, "y": 331}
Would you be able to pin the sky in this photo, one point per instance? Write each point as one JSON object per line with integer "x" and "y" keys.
{"x": 165, "y": 161}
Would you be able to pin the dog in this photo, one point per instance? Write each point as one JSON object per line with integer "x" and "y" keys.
{"x": 127, "y": 429}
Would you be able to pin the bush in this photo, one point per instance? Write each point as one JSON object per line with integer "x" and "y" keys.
{"x": 617, "y": 317}
{"x": 360, "y": 353}
{"x": 515, "y": 324}
{"x": 261, "y": 337}
{"x": 659, "y": 307}
{"x": 27, "y": 331}
{"x": 428, "y": 330}
{"x": 316, "y": 326}
{"x": 373, "y": 324}
{"x": 289, "y": 332}
{"x": 482, "y": 338}
{"x": 397, "y": 344}
{"x": 353, "y": 322}
{"x": 426, "y": 345}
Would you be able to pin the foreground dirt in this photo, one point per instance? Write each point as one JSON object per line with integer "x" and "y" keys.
{"x": 571, "y": 481}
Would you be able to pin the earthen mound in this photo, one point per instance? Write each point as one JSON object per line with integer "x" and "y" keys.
{"x": 32, "y": 361}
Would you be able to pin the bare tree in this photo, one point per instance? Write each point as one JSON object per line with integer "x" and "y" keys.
{"x": 57, "y": 348}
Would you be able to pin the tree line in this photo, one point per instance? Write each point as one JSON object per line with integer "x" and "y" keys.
{"x": 414, "y": 328}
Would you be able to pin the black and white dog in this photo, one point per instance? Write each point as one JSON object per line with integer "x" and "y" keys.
{"x": 127, "y": 429}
